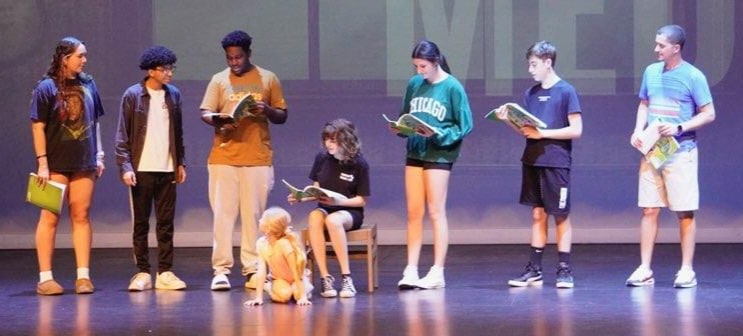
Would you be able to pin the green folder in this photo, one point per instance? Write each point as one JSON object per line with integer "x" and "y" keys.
{"x": 49, "y": 196}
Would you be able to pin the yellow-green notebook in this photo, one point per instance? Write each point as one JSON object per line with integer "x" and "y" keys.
{"x": 49, "y": 197}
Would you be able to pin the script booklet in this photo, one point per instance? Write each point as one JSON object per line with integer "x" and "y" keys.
{"x": 239, "y": 111}
{"x": 311, "y": 192}
{"x": 656, "y": 148}
{"x": 517, "y": 116}
{"x": 408, "y": 123}
{"x": 50, "y": 196}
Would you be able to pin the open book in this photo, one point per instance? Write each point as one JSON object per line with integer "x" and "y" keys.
{"x": 408, "y": 123}
{"x": 311, "y": 192}
{"x": 656, "y": 148}
{"x": 50, "y": 196}
{"x": 239, "y": 111}
{"x": 517, "y": 116}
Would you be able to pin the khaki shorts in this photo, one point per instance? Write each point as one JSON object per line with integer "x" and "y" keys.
{"x": 673, "y": 185}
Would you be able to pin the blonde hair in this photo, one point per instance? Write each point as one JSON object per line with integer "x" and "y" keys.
{"x": 275, "y": 222}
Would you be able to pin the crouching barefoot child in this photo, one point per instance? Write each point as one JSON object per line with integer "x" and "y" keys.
{"x": 280, "y": 253}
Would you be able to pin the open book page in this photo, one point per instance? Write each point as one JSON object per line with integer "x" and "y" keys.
{"x": 408, "y": 123}
{"x": 50, "y": 196}
{"x": 239, "y": 111}
{"x": 662, "y": 151}
{"x": 518, "y": 116}
{"x": 649, "y": 136}
{"x": 311, "y": 192}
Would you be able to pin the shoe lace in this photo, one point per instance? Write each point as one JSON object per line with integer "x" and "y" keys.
{"x": 563, "y": 271}
{"x": 327, "y": 283}
{"x": 348, "y": 285}
{"x": 531, "y": 268}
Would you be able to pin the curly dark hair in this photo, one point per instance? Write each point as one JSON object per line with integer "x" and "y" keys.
{"x": 237, "y": 38}
{"x": 156, "y": 56}
{"x": 344, "y": 132}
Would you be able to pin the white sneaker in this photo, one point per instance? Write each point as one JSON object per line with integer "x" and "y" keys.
{"x": 642, "y": 276}
{"x": 409, "y": 278}
{"x": 140, "y": 282}
{"x": 308, "y": 287}
{"x": 347, "y": 288}
{"x": 220, "y": 283}
{"x": 433, "y": 279}
{"x": 685, "y": 278}
{"x": 168, "y": 280}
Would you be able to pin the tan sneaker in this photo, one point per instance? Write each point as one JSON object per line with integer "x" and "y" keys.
{"x": 168, "y": 280}
{"x": 49, "y": 287}
{"x": 84, "y": 286}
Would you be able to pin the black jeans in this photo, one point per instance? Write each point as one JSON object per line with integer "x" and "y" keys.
{"x": 161, "y": 188}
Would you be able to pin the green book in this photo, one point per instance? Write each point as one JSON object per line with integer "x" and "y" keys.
{"x": 518, "y": 116}
{"x": 49, "y": 196}
{"x": 407, "y": 124}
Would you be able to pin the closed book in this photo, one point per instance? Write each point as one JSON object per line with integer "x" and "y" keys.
{"x": 49, "y": 196}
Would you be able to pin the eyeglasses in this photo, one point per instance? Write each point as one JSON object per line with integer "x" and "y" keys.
{"x": 170, "y": 68}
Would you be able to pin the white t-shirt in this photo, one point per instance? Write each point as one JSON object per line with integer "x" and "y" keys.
{"x": 156, "y": 152}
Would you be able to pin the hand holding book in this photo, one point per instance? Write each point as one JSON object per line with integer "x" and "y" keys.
{"x": 47, "y": 194}
{"x": 653, "y": 145}
{"x": 408, "y": 124}
{"x": 311, "y": 193}
{"x": 516, "y": 115}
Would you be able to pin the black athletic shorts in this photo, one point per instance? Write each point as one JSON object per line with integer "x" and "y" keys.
{"x": 546, "y": 187}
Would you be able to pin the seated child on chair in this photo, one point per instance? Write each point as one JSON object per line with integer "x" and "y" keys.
{"x": 280, "y": 252}
{"x": 339, "y": 167}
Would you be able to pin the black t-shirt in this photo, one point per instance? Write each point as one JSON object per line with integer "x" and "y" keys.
{"x": 551, "y": 106}
{"x": 351, "y": 180}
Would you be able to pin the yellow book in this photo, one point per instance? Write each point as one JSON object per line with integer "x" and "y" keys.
{"x": 50, "y": 196}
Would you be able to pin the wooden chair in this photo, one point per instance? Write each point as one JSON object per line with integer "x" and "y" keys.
{"x": 362, "y": 244}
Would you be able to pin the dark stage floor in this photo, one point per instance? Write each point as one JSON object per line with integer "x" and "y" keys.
{"x": 477, "y": 300}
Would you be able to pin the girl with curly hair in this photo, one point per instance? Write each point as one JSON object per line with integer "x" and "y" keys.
{"x": 339, "y": 167}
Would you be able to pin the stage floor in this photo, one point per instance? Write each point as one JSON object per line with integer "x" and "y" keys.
{"x": 476, "y": 301}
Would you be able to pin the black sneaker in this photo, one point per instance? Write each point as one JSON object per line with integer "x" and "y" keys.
{"x": 564, "y": 277}
{"x": 532, "y": 276}
{"x": 327, "y": 287}
{"x": 347, "y": 288}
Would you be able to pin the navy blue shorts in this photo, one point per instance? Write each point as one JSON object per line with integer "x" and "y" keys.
{"x": 546, "y": 187}
{"x": 356, "y": 214}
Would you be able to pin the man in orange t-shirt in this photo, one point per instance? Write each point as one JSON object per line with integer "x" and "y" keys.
{"x": 240, "y": 162}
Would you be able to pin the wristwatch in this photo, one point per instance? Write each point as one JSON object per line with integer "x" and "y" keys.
{"x": 679, "y": 129}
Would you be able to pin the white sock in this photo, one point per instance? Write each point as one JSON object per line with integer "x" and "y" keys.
{"x": 45, "y": 276}
{"x": 83, "y": 273}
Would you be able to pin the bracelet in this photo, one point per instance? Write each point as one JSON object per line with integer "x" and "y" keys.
{"x": 40, "y": 156}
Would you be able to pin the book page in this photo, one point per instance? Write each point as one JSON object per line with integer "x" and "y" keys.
{"x": 649, "y": 136}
